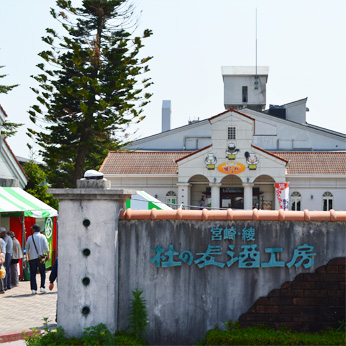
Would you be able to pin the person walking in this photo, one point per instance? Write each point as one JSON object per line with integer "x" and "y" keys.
{"x": 53, "y": 274}
{"x": 52, "y": 277}
{"x": 7, "y": 264}
{"x": 17, "y": 253}
{"x": 35, "y": 247}
{"x": 2, "y": 261}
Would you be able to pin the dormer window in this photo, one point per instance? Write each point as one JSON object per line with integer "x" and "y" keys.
{"x": 231, "y": 132}
{"x": 244, "y": 94}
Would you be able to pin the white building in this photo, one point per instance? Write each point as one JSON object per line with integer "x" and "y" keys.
{"x": 11, "y": 172}
{"x": 234, "y": 159}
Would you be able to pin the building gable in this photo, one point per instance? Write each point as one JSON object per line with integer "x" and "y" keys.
{"x": 11, "y": 172}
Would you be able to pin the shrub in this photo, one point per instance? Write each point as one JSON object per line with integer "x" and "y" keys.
{"x": 98, "y": 335}
{"x": 263, "y": 335}
{"x": 138, "y": 317}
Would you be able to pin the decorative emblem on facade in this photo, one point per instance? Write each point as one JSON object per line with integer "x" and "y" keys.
{"x": 251, "y": 160}
{"x": 210, "y": 161}
{"x": 231, "y": 151}
{"x": 231, "y": 167}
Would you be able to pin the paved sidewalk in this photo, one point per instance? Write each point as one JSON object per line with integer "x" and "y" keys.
{"x": 20, "y": 310}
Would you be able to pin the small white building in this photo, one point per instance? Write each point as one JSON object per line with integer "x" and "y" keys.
{"x": 233, "y": 159}
{"x": 11, "y": 172}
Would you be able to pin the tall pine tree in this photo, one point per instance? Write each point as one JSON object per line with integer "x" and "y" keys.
{"x": 7, "y": 129}
{"x": 92, "y": 92}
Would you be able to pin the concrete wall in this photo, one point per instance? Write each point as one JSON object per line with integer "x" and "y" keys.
{"x": 184, "y": 301}
{"x": 88, "y": 254}
{"x": 233, "y": 90}
{"x": 195, "y": 268}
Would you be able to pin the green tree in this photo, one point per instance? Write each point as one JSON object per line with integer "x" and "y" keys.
{"x": 93, "y": 92}
{"x": 8, "y": 129}
{"x": 4, "y": 89}
{"x": 37, "y": 183}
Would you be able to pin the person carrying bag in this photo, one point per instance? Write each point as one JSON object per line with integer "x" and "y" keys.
{"x": 35, "y": 247}
{"x": 42, "y": 258}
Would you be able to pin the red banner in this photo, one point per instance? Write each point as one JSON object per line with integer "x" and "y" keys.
{"x": 282, "y": 194}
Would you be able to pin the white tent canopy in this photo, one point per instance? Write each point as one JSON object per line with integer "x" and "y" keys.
{"x": 144, "y": 201}
{"x": 14, "y": 199}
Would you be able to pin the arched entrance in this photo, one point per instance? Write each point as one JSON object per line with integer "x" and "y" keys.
{"x": 264, "y": 193}
{"x": 199, "y": 192}
{"x": 231, "y": 193}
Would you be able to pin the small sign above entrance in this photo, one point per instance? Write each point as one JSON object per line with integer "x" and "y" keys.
{"x": 231, "y": 167}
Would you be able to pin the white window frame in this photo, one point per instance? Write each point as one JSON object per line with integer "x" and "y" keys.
{"x": 327, "y": 198}
{"x": 231, "y": 132}
{"x": 295, "y": 198}
{"x": 171, "y": 197}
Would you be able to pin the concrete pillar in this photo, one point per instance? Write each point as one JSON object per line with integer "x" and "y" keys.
{"x": 184, "y": 193}
{"x": 215, "y": 195}
{"x": 88, "y": 254}
{"x": 248, "y": 196}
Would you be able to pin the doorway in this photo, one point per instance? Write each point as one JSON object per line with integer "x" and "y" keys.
{"x": 232, "y": 197}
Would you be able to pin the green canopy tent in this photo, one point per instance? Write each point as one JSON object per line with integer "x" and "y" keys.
{"x": 15, "y": 202}
{"x": 142, "y": 200}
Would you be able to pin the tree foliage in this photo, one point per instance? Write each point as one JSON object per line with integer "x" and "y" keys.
{"x": 89, "y": 88}
{"x": 37, "y": 183}
{"x": 4, "y": 89}
{"x": 8, "y": 129}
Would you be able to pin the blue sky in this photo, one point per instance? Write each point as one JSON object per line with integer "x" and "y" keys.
{"x": 302, "y": 42}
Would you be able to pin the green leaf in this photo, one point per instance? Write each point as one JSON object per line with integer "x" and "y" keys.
{"x": 103, "y": 104}
{"x": 73, "y": 127}
{"x": 84, "y": 108}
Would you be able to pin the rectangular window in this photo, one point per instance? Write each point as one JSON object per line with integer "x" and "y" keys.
{"x": 231, "y": 132}
{"x": 244, "y": 94}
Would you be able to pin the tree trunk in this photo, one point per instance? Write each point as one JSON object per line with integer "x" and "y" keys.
{"x": 79, "y": 166}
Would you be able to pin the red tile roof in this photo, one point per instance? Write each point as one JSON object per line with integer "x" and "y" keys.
{"x": 231, "y": 110}
{"x": 3, "y": 111}
{"x": 164, "y": 162}
{"x": 142, "y": 162}
{"x": 314, "y": 162}
{"x": 193, "y": 153}
{"x": 269, "y": 153}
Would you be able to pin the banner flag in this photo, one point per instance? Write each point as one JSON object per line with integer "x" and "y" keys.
{"x": 282, "y": 194}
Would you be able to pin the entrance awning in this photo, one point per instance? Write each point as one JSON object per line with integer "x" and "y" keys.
{"x": 14, "y": 200}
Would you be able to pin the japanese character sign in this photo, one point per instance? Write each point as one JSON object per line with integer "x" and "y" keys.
{"x": 249, "y": 256}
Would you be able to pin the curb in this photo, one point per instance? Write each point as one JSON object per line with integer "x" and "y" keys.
{"x": 8, "y": 337}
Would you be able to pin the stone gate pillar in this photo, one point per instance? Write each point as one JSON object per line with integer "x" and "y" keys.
{"x": 88, "y": 254}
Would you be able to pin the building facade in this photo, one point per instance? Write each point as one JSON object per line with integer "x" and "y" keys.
{"x": 234, "y": 159}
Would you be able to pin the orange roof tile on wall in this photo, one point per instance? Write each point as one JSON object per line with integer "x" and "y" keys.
{"x": 229, "y": 214}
